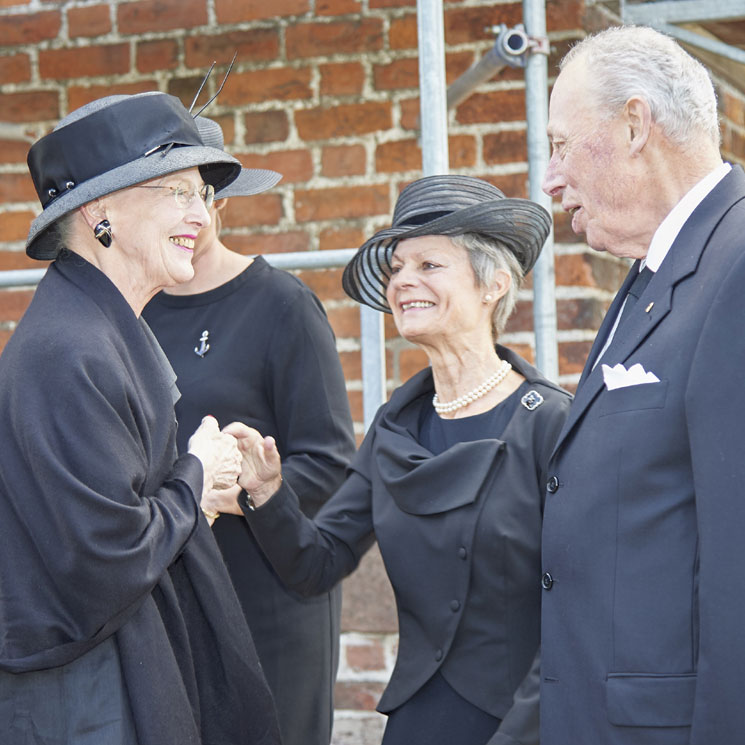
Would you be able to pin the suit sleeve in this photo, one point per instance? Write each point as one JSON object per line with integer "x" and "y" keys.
{"x": 715, "y": 414}
{"x": 309, "y": 398}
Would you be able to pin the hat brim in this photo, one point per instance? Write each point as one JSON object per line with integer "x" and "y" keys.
{"x": 520, "y": 225}
{"x": 216, "y": 167}
{"x": 250, "y": 181}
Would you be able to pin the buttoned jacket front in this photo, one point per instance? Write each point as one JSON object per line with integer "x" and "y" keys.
{"x": 423, "y": 510}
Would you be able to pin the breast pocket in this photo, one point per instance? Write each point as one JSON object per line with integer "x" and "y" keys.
{"x": 634, "y": 398}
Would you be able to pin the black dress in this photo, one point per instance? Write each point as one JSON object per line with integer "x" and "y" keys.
{"x": 259, "y": 350}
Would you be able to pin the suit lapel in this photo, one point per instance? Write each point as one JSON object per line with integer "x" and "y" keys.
{"x": 656, "y": 300}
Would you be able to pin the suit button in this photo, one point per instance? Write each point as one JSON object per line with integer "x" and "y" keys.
{"x": 547, "y": 581}
{"x": 454, "y": 606}
{"x": 462, "y": 552}
{"x": 552, "y": 485}
{"x": 438, "y": 655}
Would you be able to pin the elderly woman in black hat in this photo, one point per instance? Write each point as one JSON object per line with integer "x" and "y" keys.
{"x": 252, "y": 343}
{"x": 118, "y": 622}
{"x": 449, "y": 479}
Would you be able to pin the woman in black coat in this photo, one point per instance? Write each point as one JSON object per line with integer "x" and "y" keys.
{"x": 449, "y": 479}
{"x": 118, "y": 622}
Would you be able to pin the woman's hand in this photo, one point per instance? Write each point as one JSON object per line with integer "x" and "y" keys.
{"x": 219, "y": 454}
{"x": 261, "y": 468}
{"x": 219, "y": 501}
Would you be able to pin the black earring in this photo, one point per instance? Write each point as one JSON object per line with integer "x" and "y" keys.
{"x": 102, "y": 233}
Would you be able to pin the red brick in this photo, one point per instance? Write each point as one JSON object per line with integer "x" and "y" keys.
{"x": 260, "y": 209}
{"x": 341, "y": 78}
{"x": 580, "y": 313}
{"x": 343, "y": 121}
{"x": 462, "y": 150}
{"x": 351, "y": 362}
{"x": 590, "y": 269}
{"x": 13, "y": 303}
{"x": 11, "y": 260}
{"x": 14, "y": 225}
{"x": 318, "y": 39}
{"x": 258, "y": 86}
{"x": 521, "y": 318}
{"x": 403, "y": 33}
{"x": 509, "y": 146}
{"x": 456, "y": 64}
{"x": 410, "y": 113}
{"x": 29, "y": 28}
{"x": 468, "y": 25}
{"x": 59, "y": 64}
{"x": 266, "y": 126}
{"x": 16, "y": 187}
{"x": 15, "y": 151}
{"x": 235, "y": 11}
{"x": 346, "y": 237}
{"x": 513, "y": 184}
{"x": 337, "y": 7}
{"x": 326, "y": 284}
{"x": 401, "y": 155}
{"x": 568, "y": 14}
{"x": 391, "y": 3}
{"x": 159, "y": 54}
{"x": 186, "y": 88}
{"x": 269, "y": 243}
{"x": 15, "y": 68}
{"x": 401, "y": 73}
{"x": 93, "y": 20}
{"x": 4, "y": 333}
{"x": 29, "y": 106}
{"x": 563, "y": 232}
{"x": 572, "y": 356}
{"x": 341, "y": 202}
{"x": 346, "y": 324}
{"x": 294, "y": 165}
{"x": 78, "y": 96}
{"x": 148, "y": 16}
{"x": 251, "y": 45}
{"x": 366, "y": 656}
{"x": 357, "y": 408}
{"x": 343, "y": 160}
{"x": 495, "y": 106}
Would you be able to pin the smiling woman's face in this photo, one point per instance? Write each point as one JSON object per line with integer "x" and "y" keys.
{"x": 433, "y": 292}
{"x": 154, "y": 231}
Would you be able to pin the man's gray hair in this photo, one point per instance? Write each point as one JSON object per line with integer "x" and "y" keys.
{"x": 627, "y": 61}
{"x": 487, "y": 256}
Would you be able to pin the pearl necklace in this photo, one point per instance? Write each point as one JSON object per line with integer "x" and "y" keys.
{"x": 491, "y": 382}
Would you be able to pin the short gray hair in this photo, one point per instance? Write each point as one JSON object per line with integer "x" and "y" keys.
{"x": 487, "y": 256}
{"x": 627, "y": 61}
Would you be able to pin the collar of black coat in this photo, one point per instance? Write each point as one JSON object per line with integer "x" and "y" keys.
{"x": 422, "y": 483}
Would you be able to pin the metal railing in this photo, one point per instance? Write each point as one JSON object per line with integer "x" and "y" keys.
{"x": 372, "y": 341}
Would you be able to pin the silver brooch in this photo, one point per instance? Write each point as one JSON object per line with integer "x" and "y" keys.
{"x": 531, "y": 400}
{"x": 203, "y": 347}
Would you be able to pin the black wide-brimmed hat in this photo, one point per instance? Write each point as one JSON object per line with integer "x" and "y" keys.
{"x": 110, "y": 144}
{"x": 446, "y": 205}
{"x": 250, "y": 180}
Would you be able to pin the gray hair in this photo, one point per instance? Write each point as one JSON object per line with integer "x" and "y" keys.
{"x": 487, "y": 257}
{"x": 627, "y": 61}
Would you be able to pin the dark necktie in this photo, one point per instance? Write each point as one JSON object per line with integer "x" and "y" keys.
{"x": 635, "y": 291}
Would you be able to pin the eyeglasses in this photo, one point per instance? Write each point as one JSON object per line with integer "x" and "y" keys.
{"x": 185, "y": 196}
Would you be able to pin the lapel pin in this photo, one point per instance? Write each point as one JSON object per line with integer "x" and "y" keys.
{"x": 649, "y": 307}
{"x": 203, "y": 347}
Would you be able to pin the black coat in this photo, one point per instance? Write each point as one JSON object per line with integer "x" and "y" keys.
{"x": 423, "y": 510}
{"x": 643, "y": 533}
{"x": 101, "y": 535}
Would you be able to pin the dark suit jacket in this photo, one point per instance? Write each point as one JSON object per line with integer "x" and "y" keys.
{"x": 644, "y": 529}
{"x": 423, "y": 510}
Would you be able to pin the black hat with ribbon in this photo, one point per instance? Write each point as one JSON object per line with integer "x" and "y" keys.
{"x": 446, "y": 205}
{"x": 110, "y": 144}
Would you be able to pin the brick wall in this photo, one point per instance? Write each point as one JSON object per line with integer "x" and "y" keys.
{"x": 326, "y": 92}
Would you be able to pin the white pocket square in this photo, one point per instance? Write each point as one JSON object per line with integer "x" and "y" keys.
{"x": 619, "y": 377}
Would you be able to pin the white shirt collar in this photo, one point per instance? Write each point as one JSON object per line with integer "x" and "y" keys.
{"x": 669, "y": 228}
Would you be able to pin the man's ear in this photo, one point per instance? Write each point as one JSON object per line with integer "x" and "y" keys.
{"x": 638, "y": 117}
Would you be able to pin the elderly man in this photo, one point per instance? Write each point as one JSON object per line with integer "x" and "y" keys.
{"x": 644, "y": 526}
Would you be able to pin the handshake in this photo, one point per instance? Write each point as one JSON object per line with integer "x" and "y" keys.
{"x": 234, "y": 458}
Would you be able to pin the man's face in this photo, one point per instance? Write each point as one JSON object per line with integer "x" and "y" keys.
{"x": 590, "y": 168}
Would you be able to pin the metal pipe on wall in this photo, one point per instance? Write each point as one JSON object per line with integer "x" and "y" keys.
{"x": 536, "y": 105}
